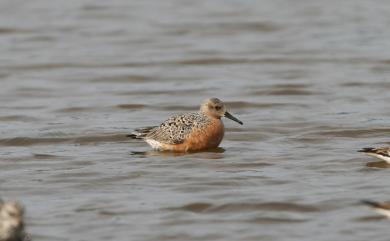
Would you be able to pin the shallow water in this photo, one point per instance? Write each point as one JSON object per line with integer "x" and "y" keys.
{"x": 309, "y": 81}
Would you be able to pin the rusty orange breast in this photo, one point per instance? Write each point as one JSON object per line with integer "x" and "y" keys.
{"x": 209, "y": 137}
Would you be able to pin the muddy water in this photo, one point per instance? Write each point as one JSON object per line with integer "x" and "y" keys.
{"x": 309, "y": 79}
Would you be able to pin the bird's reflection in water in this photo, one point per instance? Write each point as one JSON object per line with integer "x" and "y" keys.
{"x": 213, "y": 153}
{"x": 378, "y": 164}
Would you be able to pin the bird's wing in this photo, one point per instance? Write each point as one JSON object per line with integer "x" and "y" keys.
{"x": 140, "y": 133}
{"x": 174, "y": 130}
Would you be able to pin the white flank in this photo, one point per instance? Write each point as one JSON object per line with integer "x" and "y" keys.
{"x": 385, "y": 212}
{"x": 385, "y": 158}
{"x": 154, "y": 144}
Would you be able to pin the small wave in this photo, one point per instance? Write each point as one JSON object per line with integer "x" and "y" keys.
{"x": 239, "y": 207}
{"x": 75, "y": 109}
{"x": 45, "y": 156}
{"x": 29, "y": 141}
{"x": 22, "y": 118}
{"x": 185, "y": 92}
{"x": 5, "y": 30}
{"x": 131, "y": 106}
{"x": 272, "y": 220}
{"x": 244, "y": 104}
{"x": 353, "y": 133}
{"x": 284, "y": 92}
{"x": 126, "y": 79}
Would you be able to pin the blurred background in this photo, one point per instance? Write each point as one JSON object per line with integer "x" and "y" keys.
{"x": 309, "y": 79}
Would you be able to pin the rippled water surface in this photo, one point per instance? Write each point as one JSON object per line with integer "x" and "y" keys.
{"x": 309, "y": 79}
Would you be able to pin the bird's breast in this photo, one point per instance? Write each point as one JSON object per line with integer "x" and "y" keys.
{"x": 208, "y": 137}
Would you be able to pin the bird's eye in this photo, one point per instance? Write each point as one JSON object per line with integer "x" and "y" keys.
{"x": 218, "y": 107}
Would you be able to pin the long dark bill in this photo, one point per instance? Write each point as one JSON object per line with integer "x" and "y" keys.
{"x": 228, "y": 115}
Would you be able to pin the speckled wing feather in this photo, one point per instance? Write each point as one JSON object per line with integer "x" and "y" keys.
{"x": 176, "y": 129}
{"x": 140, "y": 133}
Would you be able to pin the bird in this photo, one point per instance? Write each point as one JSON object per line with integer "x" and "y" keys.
{"x": 380, "y": 207}
{"x": 381, "y": 153}
{"x": 11, "y": 222}
{"x": 189, "y": 132}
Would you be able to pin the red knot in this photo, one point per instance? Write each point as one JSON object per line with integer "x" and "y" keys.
{"x": 189, "y": 132}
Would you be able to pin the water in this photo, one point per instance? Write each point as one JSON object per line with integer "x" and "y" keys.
{"x": 309, "y": 79}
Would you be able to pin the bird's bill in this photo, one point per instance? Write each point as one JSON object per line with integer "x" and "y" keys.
{"x": 230, "y": 116}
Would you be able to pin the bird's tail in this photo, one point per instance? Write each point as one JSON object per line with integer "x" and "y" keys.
{"x": 371, "y": 203}
{"x": 367, "y": 150}
{"x": 141, "y": 133}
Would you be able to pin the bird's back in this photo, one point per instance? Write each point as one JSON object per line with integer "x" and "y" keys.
{"x": 177, "y": 128}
